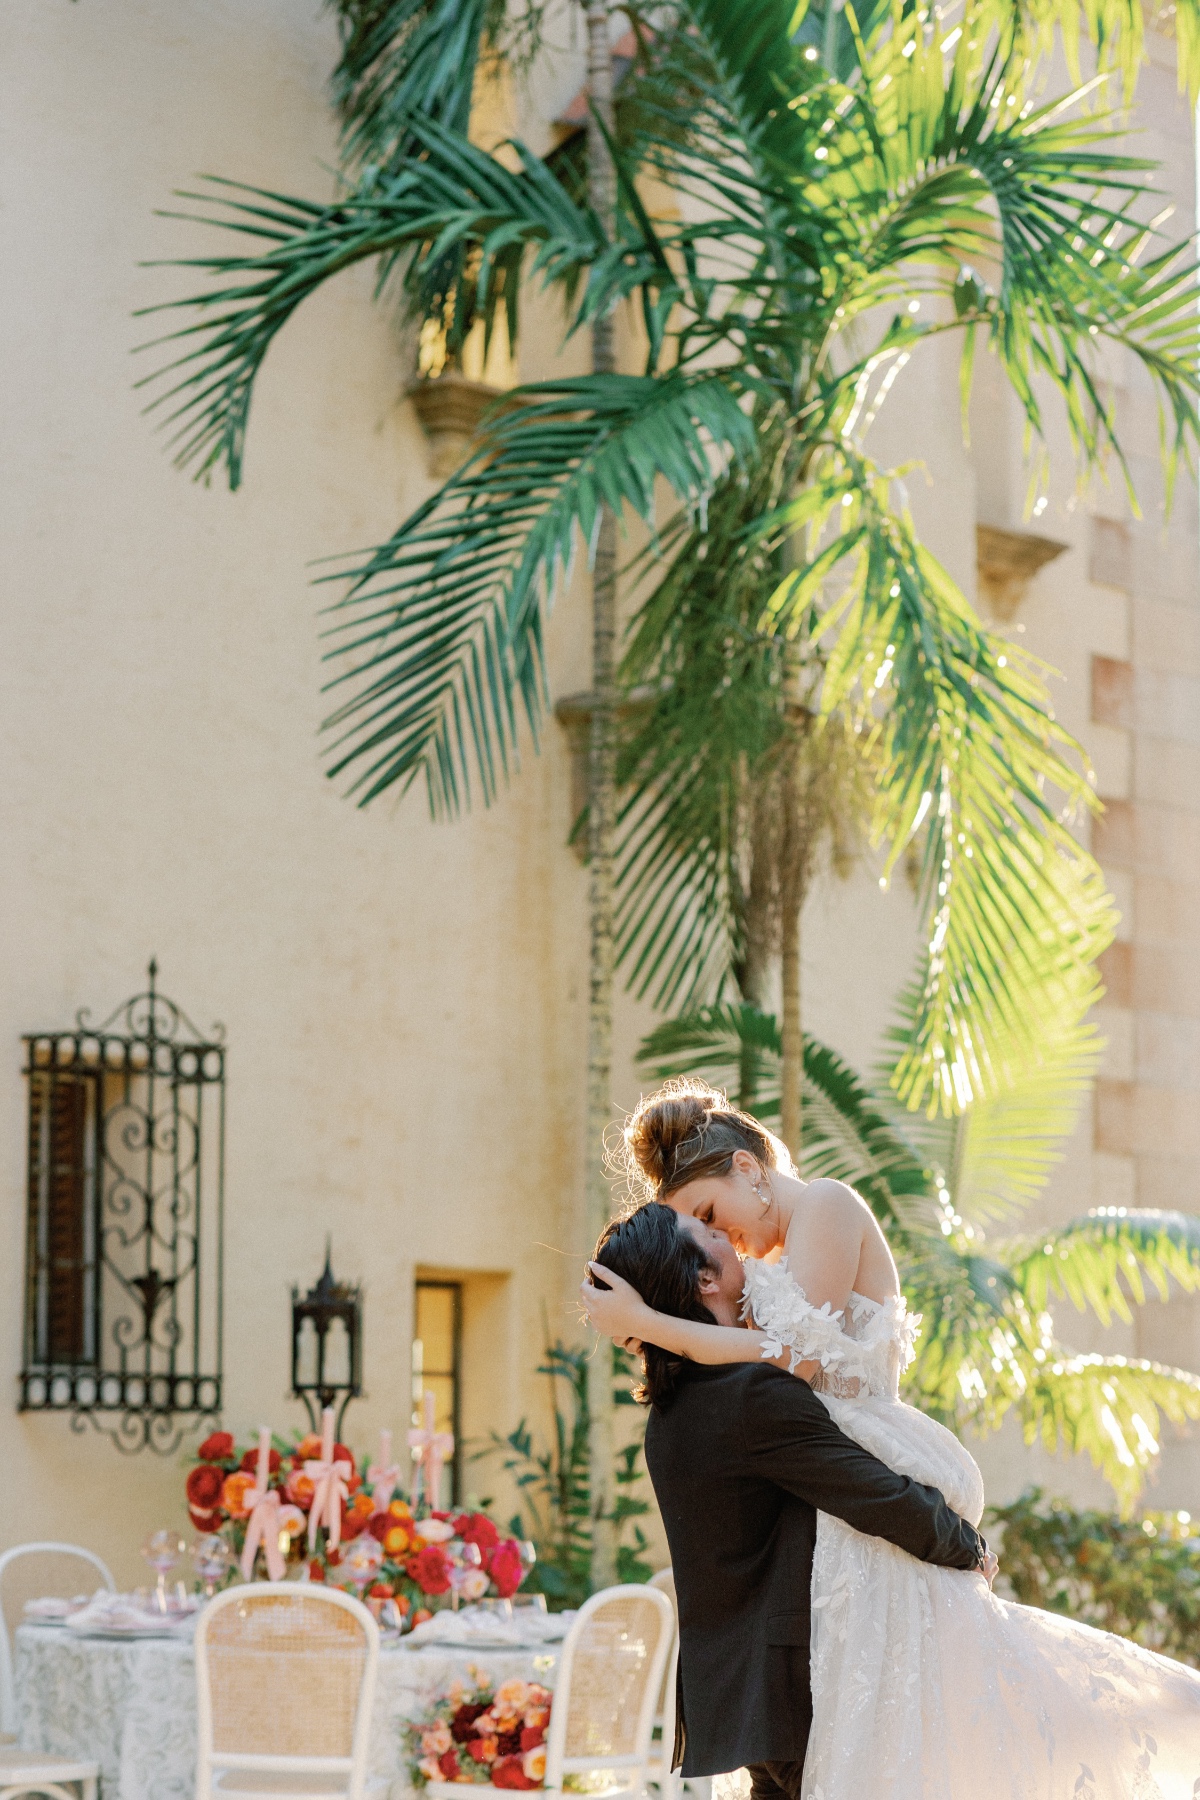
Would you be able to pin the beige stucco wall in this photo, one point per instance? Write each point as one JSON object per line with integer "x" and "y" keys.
{"x": 403, "y": 1001}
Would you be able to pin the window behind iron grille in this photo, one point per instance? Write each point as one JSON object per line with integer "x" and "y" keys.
{"x": 61, "y": 1253}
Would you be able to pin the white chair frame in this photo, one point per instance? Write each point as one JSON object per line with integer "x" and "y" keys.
{"x": 669, "y": 1782}
{"x": 8, "y": 1701}
{"x": 666, "y": 1779}
{"x": 210, "y": 1762}
{"x": 634, "y": 1763}
{"x": 29, "y": 1772}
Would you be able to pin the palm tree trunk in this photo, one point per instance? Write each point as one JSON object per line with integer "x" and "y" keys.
{"x": 602, "y": 814}
{"x": 794, "y": 867}
{"x": 791, "y": 1033}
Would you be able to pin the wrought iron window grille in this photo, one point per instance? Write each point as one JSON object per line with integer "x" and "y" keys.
{"x": 125, "y": 1223}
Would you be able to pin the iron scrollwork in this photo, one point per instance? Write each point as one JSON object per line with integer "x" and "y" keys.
{"x": 125, "y": 1223}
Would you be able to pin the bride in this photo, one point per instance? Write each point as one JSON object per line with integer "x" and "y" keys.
{"x": 925, "y": 1687}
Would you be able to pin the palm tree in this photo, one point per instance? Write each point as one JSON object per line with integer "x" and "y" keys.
{"x": 950, "y": 1192}
{"x": 813, "y": 203}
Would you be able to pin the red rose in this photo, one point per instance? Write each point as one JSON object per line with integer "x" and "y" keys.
{"x": 341, "y": 1454}
{"x": 477, "y": 1528}
{"x": 508, "y": 1773}
{"x": 379, "y": 1524}
{"x": 218, "y": 1447}
{"x": 204, "y": 1484}
{"x": 353, "y": 1525}
{"x": 448, "y": 1764}
{"x": 462, "y": 1725}
{"x": 430, "y": 1569}
{"x": 504, "y": 1567}
{"x": 508, "y": 1742}
{"x": 532, "y": 1736}
{"x": 249, "y": 1462}
{"x": 205, "y": 1521}
{"x": 315, "y": 1571}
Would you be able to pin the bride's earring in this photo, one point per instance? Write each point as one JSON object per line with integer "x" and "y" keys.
{"x": 764, "y": 1197}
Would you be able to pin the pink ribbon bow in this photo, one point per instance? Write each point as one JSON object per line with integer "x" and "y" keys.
{"x": 430, "y": 1451}
{"x": 383, "y": 1476}
{"x": 330, "y": 1487}
{"x": 263, "y": 1524}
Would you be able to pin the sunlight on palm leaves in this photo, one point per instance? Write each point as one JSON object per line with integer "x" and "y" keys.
{"x": 988, "y": 1345}
{"x": 807, "y": 210}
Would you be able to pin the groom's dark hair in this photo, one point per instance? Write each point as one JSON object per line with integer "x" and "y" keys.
{"x": 664, "y": 1264}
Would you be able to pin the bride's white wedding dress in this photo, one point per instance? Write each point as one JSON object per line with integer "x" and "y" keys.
{"x": 925, "y": 1685}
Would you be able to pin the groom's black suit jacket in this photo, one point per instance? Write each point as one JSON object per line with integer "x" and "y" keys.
{"x": 741, "y": 1459}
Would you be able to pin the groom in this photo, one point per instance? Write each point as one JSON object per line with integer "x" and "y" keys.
{"x": 741, "y": 1457}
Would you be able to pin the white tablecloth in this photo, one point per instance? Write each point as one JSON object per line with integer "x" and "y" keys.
{"x": 131, "y": 1705}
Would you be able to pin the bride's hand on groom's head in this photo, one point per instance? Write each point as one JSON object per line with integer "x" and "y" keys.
{"x": 613, "y": 1306}
{"x": 991, "y": 1567}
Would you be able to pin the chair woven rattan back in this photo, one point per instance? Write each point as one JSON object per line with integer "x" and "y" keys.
{"x": 285, "y": 1677}
{"x": 33, "y": 1572}
{"x": 609, "y": 1682}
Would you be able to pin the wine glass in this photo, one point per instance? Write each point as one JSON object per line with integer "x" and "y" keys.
{"x": 163, "y": 1551}
{"x": 362, "y": 1560}
{"x": 467, "y": 1559}
{"x": 211, "y": 1557}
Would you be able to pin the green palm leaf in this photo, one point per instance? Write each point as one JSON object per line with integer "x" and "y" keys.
{"x": 441, "y": 630}
{"x": 1106, "y": 1259}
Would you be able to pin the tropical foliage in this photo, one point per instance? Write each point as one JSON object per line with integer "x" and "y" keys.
{"x": 949, "y": 1193}
{"x": 554, "y": 1484}
{"x": 1138, "y": 1577}
{"x": 822, "y": 230}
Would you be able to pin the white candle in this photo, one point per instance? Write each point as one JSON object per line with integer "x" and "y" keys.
{"x": 327, "y": 1435}
{"x": 385, "y": 1449}
{"x": 262, "y": 1479}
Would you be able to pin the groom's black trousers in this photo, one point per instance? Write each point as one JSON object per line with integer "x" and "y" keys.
{"x": 770, "y": 1780}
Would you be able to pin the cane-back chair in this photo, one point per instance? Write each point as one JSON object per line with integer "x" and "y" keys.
{"x": 607, "y": 1688}
{"x": 285, "y": 1680}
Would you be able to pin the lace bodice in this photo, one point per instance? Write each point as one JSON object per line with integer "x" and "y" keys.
{"x": 861, "y": 1348}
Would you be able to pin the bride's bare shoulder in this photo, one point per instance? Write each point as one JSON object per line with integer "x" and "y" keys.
{"x": 834, "y": 1199}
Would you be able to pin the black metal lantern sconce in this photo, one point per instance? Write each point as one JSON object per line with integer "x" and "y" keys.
{"x": 327, "y": 1345}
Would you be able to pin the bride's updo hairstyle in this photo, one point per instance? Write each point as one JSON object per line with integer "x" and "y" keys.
{"x": 688, "y": 1129}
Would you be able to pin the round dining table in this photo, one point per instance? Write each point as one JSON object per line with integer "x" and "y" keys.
{"x": 129, "y": 1704}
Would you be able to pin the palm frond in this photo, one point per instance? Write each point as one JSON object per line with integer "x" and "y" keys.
{"x": 994, "y": 1158}
{"x": 406, "y": 57}
{"x": 1107, "y": 1258}
{"x": 451, "y": 199}
{"x": 440, "y": 632}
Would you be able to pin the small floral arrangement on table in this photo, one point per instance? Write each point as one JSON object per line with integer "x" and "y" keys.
{"x": 480, "y": 1733}
{"x": 377, "y": 1546}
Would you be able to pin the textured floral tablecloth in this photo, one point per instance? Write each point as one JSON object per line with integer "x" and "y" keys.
{"x": 131, "y": 1706}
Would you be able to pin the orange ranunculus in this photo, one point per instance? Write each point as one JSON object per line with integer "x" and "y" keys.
{"x": 363, "y": 1504}
{"x": 233, "y": 1494}
{"x": 309, "y": 1448}
{"x": 422, "y": 1613}
{"x": 397, "y": 1541}
{"x": 299, "y": 1489}
{"x": 400, "y": 1509}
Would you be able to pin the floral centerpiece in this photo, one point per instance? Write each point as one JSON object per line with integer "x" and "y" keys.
{"x": 282, "y": 1505}
{"x": 480, "y": 1733}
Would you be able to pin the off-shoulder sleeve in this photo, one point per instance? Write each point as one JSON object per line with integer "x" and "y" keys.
{"x": 778, "y": 1307}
